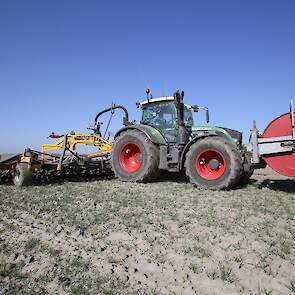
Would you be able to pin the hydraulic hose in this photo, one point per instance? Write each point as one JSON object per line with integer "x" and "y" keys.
{"x": 112, "y": 108}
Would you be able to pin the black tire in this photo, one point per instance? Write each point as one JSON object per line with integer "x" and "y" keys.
{"x": 149, "y": 153}
{"x": 231, "y": 159}
{"x": 22, "y": 175}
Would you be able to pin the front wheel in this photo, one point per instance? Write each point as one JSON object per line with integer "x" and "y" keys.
{"x": 213, "y": 163}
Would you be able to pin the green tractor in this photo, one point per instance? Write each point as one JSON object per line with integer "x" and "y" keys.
{"x": 167, "y": 139}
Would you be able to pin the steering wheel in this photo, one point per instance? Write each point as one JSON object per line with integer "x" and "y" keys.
{"x": 170, "y": 122}
{"x": 159, "y": 122}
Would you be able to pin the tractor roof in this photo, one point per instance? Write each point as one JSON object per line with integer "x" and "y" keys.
{"x": 157, "y": 99}
{"x": 160, "y": 99}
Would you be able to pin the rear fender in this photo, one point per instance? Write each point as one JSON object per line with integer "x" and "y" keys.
{"x": 152, "y": 134}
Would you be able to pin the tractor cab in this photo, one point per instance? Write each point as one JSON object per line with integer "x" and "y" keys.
{"x": 161, "y": 113}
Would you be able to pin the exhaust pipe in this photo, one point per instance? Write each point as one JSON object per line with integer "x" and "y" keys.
{"x": 183, "y": 134}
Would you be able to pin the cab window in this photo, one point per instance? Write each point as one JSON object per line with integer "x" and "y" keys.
{"x": 188, "y": 117}
{"x": 161, "y": 116}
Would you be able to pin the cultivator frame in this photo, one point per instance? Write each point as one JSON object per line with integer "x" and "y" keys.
{"x": 31, "y": 165}
{"x": 34, "y": 166}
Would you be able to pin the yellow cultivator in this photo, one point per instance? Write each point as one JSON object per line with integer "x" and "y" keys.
{"x": 60, "y": 158}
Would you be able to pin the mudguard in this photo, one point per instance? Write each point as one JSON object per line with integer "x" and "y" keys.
{"x": 199, "y": 132}
{"x": 152, "y": 134}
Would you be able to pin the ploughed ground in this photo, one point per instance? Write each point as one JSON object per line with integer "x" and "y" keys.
{"x": 109, "y": 237}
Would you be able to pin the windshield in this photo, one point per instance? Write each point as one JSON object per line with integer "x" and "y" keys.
{"x": 163, "y": 114}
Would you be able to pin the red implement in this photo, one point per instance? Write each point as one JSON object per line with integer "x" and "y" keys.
{"x": 283, "y": 164}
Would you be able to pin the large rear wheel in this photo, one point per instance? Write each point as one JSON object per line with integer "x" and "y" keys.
{"x": 214, "y": 163}
{"x": 135, "y": 158}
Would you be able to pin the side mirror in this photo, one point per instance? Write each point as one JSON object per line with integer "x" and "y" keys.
{"x": 195, "y": 108}
{"x": 207, "y": 116}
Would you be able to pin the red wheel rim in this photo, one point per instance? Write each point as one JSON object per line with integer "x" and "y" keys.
{"x": 210, "y": 164}
{"x": 130, "y": 157}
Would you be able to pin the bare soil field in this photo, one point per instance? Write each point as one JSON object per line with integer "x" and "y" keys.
{"x": 109, "y": 237}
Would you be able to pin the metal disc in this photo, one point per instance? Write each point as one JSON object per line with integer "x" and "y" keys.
{"x": 283, "y": 164}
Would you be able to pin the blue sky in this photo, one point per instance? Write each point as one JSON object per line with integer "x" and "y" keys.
{"x": 63, "y": 61}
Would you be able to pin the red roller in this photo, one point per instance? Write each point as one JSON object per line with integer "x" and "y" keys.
{"x": 283, "y": 164}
